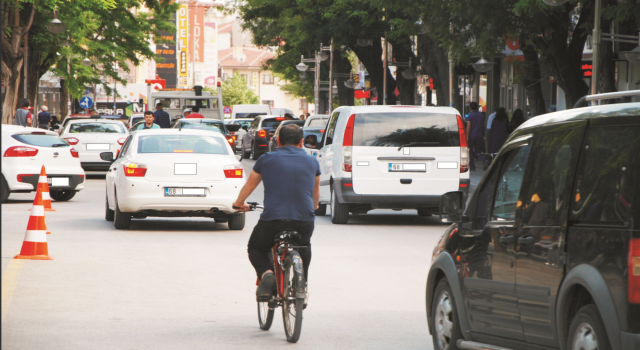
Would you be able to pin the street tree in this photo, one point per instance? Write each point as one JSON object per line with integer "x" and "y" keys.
{"x": 235, "y": 91}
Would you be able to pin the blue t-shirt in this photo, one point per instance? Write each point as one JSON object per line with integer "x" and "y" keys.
{"x": 477, "y": 124}
{"x": 289, "y": 176}
{"x": 162, "y": 118}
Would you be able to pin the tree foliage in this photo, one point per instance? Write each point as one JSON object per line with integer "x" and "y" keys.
{"x": 236, "y": 92}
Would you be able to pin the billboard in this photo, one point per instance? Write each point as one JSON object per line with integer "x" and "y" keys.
{"x": 196, "y": 32}
{"x": 210, "y": 71}
{"x": 182, "y": 46}
{"x": 168, "y": 68}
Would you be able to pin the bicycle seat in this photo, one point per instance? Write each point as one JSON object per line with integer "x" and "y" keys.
{"x": 289, "y": 236}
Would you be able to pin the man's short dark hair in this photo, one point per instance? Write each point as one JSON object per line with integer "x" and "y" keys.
{"x": 148, "y": 112}
{"x": 195, "y": 109}
{"x": 473, "y": 106}
{"x": 290, "y": 135}
{"x": 25, "y": 102}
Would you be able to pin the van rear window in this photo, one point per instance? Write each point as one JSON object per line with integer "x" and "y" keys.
{"x": 396, "y": 129}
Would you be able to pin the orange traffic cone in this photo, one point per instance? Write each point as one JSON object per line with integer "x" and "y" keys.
{"x": 35, "y": 240}
{"x": 43, "y": 185}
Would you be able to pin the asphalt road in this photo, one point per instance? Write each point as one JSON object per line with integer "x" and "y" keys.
{"x": 172, "y": 283}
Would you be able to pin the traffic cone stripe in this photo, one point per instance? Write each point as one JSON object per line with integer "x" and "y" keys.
{"x": 37, "y": 210}
{"x": 42, "y": 179}
{"x": 36, "y": 236}
{"x": 45, "y": 196}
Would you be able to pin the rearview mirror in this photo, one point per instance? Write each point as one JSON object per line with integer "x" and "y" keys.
{"x": 451, "y": 207}
{"x": 106, "y": 156}
{"x": 233, "y": 127}
{"x": 245, "y": 128}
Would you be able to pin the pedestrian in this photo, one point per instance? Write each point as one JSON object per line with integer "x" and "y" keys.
{"x": 54, "y": 122}
{"x": 161, "y": 117}
{"x": 516, "y": 119}
{"x": 186, "y": 112}
{"x": 308, "y": 115}
{"x": 475, "y": 135}
{"x": 148, "y": 122}
{"x": 195, "y": 113}
{"x": 23, "y": 116}
{"x": 44, "y": 118}
{"x": 302, "y": 117}
{"x": 499, "y": 130}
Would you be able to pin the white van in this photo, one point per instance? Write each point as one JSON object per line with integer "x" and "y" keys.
{"x": 391, "y": 157}
{"x": 249, "y": 111}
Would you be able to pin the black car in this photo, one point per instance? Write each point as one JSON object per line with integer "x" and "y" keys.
{"x": 273, "y": 143}
{"x": 547, "y": 253}
{"x": 256, "y": 141}
{"x": 209, "y": 124}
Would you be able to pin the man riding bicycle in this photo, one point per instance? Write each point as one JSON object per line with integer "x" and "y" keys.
{"x": 291, "y": 193}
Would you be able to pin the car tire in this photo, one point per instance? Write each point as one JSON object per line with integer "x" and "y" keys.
{"x": 587, "y": 330}
{"x": 339, "y": 211}
{"x": 245, "y": 154}
{"x": 321, "y": 211}
{"x": 108, "y": 213}
{"x": 236, "y": 221}
{"x": 4, "y": 189}
{"x": 122, "y": 221}
{"x": 254, "y": 153}
{"x": 62, "y": 196}
{"x": 444, "y": 318}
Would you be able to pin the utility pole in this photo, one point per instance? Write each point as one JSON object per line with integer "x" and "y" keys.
{"x": 596, "y": 47}
{"x": 330, "y": 104}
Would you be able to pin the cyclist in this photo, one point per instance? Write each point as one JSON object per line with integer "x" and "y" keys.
{"x": 291, "y": 193}
{"x": 148, "y": 122}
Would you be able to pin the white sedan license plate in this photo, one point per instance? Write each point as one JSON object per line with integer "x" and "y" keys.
{"x": 407, "y": 167}
{"x": 183, "y": 192}
{"x": 58, "y": 181}
{"x": 98, "y": 146}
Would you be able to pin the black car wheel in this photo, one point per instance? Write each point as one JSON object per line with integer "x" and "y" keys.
{"x": 254, "y": 153}
{"x": 122, "y": 221}
{"x": 587, "y": 331}
{"x": 245, "y": 153}
{"x": 444, "y": 318}
{"x": 4, "y": 189}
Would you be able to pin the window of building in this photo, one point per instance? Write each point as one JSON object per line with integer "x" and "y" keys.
{"x": 224, "y": 76}
{"x": 267, "y": 79}
{"x": 268, "y": 102}
{"x": 303, "y": 104}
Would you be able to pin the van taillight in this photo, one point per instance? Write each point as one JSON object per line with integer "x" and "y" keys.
{"x": 633, "y": 293}
{"x": 262, "y": 133}
{"x": 464, "y": 148}
{"x": 347, "y": 144}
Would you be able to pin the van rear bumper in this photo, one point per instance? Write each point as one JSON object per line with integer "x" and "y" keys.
{"x": 344, "y": 191}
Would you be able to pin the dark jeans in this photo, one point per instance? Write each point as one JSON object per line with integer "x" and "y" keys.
{"x": 476, "y": 146}
{"x": 263, "y": 239}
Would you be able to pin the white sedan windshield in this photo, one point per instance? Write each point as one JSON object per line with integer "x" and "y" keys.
{"x": 181, "y": 144}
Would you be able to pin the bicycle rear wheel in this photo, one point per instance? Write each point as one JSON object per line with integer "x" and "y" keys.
{"x": 293, "y": 303}
{"x": 265, "y": 315}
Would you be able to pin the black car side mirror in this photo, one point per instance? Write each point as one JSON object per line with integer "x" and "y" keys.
{"x": 245, "y": 128}
{"x": 233, "y": 127}
{"x": 106, "y": 156}
{"x": 451, "y": 207}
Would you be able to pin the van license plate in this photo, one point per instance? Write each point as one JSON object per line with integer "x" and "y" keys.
{"x": 183, "y": 192}
{"x": 407, "y": 167}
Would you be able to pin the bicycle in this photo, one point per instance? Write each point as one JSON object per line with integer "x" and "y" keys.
{"x": 291, "y": 287}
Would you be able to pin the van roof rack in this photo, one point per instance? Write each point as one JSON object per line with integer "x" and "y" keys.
{"x": 582, "y": 102}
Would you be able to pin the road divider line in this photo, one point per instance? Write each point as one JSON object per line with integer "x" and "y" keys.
{"x": 9, "y": 283}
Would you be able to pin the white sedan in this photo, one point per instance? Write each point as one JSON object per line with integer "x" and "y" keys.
{"x": 92, "y": 136}
{"x": 26, "y": 150}
{"x": 174, "y": 173}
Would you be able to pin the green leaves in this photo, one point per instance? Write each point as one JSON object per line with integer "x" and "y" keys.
{"x": 236, "y": 92}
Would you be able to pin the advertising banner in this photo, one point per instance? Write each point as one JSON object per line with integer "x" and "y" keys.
{"x": 168, "y": 68}
{"x": 196, "y": 31}
{"x": 182, "y": 46}
{"x": 210, "y": 54}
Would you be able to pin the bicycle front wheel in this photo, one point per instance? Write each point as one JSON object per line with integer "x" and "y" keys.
{"x": 293, "y": 303}
{"x": 265, "y": 315}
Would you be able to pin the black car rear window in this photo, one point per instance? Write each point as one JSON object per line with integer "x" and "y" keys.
{"x": 397, "y": 129}
{"x": 271, "y": 123}
{"x": 41, "y": 140}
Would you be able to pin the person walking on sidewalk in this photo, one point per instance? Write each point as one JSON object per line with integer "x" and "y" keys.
{"x": 23, "y": 116}
{"x": 44, "y": 118}
{"x": 475, "y": 134}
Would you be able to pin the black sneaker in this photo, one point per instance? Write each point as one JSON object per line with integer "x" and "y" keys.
{"x": 266, "y": 286}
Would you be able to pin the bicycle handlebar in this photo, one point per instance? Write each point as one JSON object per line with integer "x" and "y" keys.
{"x": 253, "y": 205}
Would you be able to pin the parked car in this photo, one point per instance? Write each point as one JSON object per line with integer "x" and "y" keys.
{"x": 547, "y": 253}
{"x": 249, "y": 111}
{"x": 26, "y": 150}
{"x": 92, "y": 136}
{"x": 319, "y": 120}
{"x": 273, "y": 143}
{"x": 244, "y": 126}
{"x": 391, "y": 157}
{"x": 209, "y": 124}
{"x": 174, "y": 173}
{"x": 256, "y": 141}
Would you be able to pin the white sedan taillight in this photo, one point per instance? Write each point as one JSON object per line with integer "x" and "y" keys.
{"x": 233, "y": 172}
{"x": 72, "y": 140}
{"x": 121, "y": 141}
{"x": 21, "y": 151}
{"x": 135, "y": 170}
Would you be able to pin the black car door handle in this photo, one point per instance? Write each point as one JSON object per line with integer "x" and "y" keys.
{"x": 525, "y": 240}
{"x": 508, "y": 239}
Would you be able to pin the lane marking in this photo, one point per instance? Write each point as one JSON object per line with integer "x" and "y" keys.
{"x": 9, "y": 282}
